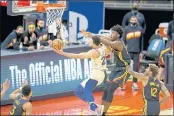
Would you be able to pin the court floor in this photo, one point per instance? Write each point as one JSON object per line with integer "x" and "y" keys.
{"x": 125, "y": 102}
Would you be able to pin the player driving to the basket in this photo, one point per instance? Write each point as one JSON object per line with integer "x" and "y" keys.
{"x": 98, "y": 62}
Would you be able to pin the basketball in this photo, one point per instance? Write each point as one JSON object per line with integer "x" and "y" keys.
{"x": 58, "y": 44}
{"x": 54, "y": 47}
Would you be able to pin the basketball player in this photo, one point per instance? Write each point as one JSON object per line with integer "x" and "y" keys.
{"x": 119, "y": 75}
{"x": 167, "y": 50}
{"x": 98, "y": 61}
{"x": 152, "y": 87}
{"x": 21, "y": 104}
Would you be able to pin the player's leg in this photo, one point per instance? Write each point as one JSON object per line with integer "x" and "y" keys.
{"x": 122, "y": 77}
{"x": 161, "y": 74}
{"x": 157, "y": 109}
{"x": 79, "y": 92}
{"x": 97, "y": 77}
{"x": 89, "y": 87}
{"x": 153, "y": 108}
{"x": 113, "y": 73}
{"x": 84, "y": 92}
{"x": 106, "y": 101}
{"x": 110, "y": 88}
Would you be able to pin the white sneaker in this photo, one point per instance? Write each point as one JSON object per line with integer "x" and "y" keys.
{"x": 100, "y": 109}
{"x": 93, "y": 113}
{"x": 135, "y": 86}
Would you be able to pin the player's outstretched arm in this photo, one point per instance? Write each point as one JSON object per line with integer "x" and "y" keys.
{"x": 89, "y": 54}
{"x": 117, "y": 45}
{"x": 137, "y": 75}
{"x": 5, "y": 86}
{"x": 15, "y": 93}
{"x": 166, "y": 93}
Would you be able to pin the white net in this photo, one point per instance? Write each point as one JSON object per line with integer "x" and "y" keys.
{"x": 53, "y": 14}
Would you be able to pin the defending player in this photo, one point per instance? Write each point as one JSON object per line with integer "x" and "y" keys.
{"x": 118, "y": 76}
{"x": 21, "y": 104}
{"x": 152, "y": 87}
{"x": 98, "y": 62}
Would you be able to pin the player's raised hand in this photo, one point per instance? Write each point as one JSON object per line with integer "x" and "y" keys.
{"x": 6, "y": 84}
{"x": 86, "y": 34}
{"x": 33, "y": 36}
{"x": 24, "y": 82}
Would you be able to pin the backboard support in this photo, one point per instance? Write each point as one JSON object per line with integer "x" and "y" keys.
{"x": 24, "y": 7}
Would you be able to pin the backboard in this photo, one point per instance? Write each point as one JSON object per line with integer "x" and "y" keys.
{"x": 22, "y": 7}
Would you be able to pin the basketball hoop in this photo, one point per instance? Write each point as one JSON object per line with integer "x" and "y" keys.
{"x": 54, "y": 11}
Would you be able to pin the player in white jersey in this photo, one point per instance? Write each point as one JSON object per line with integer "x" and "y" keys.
{"x": 98, "y": 72}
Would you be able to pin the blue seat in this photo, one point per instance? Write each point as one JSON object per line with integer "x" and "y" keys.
{"x": 156, "y": 44}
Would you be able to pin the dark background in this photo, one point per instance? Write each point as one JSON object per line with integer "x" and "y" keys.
{"x": 153, "y": 19}
{"x": 112, "y": 17}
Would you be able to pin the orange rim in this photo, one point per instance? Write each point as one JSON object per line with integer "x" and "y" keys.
{"x": 42, "y": 7}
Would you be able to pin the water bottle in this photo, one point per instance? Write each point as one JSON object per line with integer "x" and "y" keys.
{"x": 38, "y": 44}
{"x": 20, "y": 47}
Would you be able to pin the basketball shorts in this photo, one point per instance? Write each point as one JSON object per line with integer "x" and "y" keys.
{"x": 151, "y": 108}
{"x": 97, "y": 75}
{"x": 162, "y": 56}
{"x": 119, "y": 75}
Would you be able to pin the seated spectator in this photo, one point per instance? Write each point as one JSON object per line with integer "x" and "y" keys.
{"x": 42, "y": 33}
{"x": 13, "y": 39}
{"x": 30, "y": 37}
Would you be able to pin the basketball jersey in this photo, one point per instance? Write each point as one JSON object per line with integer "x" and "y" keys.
{"x": 152, "y": 89}
{"x": 122, "y": 58}
{"x": 17, "y": 107}
{"x": 100, "y": 62}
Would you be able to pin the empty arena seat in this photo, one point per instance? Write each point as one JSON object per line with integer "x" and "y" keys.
{"x": 156, "y": 44}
